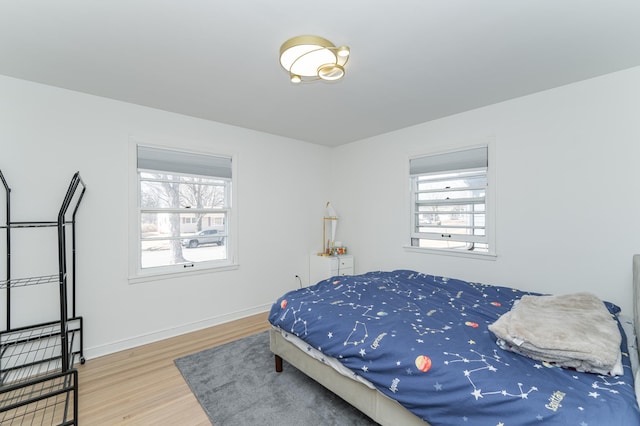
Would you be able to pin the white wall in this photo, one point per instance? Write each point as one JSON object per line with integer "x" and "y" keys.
{"x": 568, "y": 190}
{"x": 46, "y": 134}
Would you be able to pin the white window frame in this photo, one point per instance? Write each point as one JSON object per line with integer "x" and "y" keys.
{"x": 138, "y": 274}
{"x": 490, "y": 213}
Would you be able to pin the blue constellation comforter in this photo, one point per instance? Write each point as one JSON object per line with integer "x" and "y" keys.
{"x": 423, "y": 341}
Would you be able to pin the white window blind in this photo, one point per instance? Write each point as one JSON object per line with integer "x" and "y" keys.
{"x": 189, "y": 163}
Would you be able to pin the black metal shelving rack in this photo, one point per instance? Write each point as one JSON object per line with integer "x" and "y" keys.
{"x": 38, "y": 381}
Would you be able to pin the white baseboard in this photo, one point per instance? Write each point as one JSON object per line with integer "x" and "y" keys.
{"x": 155, "y": 336}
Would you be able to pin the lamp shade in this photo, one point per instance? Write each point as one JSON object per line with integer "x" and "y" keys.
{"x": 331, "y": 214}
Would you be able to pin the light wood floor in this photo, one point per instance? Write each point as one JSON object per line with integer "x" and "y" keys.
{"x": 142, "y": 386}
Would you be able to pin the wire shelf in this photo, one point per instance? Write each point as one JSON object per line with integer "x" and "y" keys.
{"x": 24, "y": 282}
{"x": 35, "y": 350}
{"x": 46, "y": 400}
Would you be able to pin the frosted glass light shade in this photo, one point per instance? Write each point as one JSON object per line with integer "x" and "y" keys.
{"x": 309, "y": 58}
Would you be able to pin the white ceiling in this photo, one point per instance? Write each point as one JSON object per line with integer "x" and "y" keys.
{"x": 411, "y": 60}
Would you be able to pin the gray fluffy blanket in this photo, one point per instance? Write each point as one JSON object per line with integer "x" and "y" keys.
{"x": 574, "y": 330}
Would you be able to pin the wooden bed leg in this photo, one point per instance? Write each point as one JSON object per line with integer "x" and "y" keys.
{"x": 278, "y": 364}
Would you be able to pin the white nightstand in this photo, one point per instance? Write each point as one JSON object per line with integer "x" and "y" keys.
{"x": 323, "y": 267}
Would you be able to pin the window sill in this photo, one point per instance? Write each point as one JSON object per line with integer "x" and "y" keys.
{"x": 156, "y": 276}
{"x": 455, "y": 253}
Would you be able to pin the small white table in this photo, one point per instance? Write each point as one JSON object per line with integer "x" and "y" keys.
{"x": 323, "y": 267}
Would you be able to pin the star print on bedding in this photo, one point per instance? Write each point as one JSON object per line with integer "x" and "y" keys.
{"x": 424, "y": 341}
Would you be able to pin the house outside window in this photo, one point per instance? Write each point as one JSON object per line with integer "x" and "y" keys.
{"x": 449, "y": 201}
{"x": 184, "y": 210}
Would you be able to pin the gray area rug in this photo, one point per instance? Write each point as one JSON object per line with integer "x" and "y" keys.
{"x": 237, "y": 384}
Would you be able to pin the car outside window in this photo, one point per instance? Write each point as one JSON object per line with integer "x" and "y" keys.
{"x": 211, "y": 236}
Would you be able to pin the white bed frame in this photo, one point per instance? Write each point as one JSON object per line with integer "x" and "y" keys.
{"x": 371, "y": 402}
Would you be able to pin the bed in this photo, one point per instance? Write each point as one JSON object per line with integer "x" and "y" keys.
{"x": 444, "y": 366}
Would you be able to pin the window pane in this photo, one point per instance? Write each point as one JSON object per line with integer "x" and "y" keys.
{"x": 451, "y": 220}
{"x": 177, "y": 238}
{"x": 453, "y": 180}
{"x": 442, "y": 244}
{"x": 452, "y": 186}
{"x": 159, "y": 191}
{"x": 171, "y": 252}
{"x": 159, "y": 226}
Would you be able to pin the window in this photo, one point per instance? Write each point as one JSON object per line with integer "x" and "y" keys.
{"x": 184, "y": 210}
{"x": 449, "y": 209}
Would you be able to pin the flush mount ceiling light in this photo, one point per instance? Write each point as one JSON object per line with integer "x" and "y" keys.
{"x": 309, "y": 58}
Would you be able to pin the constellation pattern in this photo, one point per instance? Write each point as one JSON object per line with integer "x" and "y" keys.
{"x": 358, "y": 335}
{"x": 351, "y": 290}
{"x": 361, "y": 308}
{"x": 419, "y": 337}
{"x": 485, "y": 363}
{"x": 299, "y": 323}
{"x": 606, "y": 385}
{"x": 422, "y": 329}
